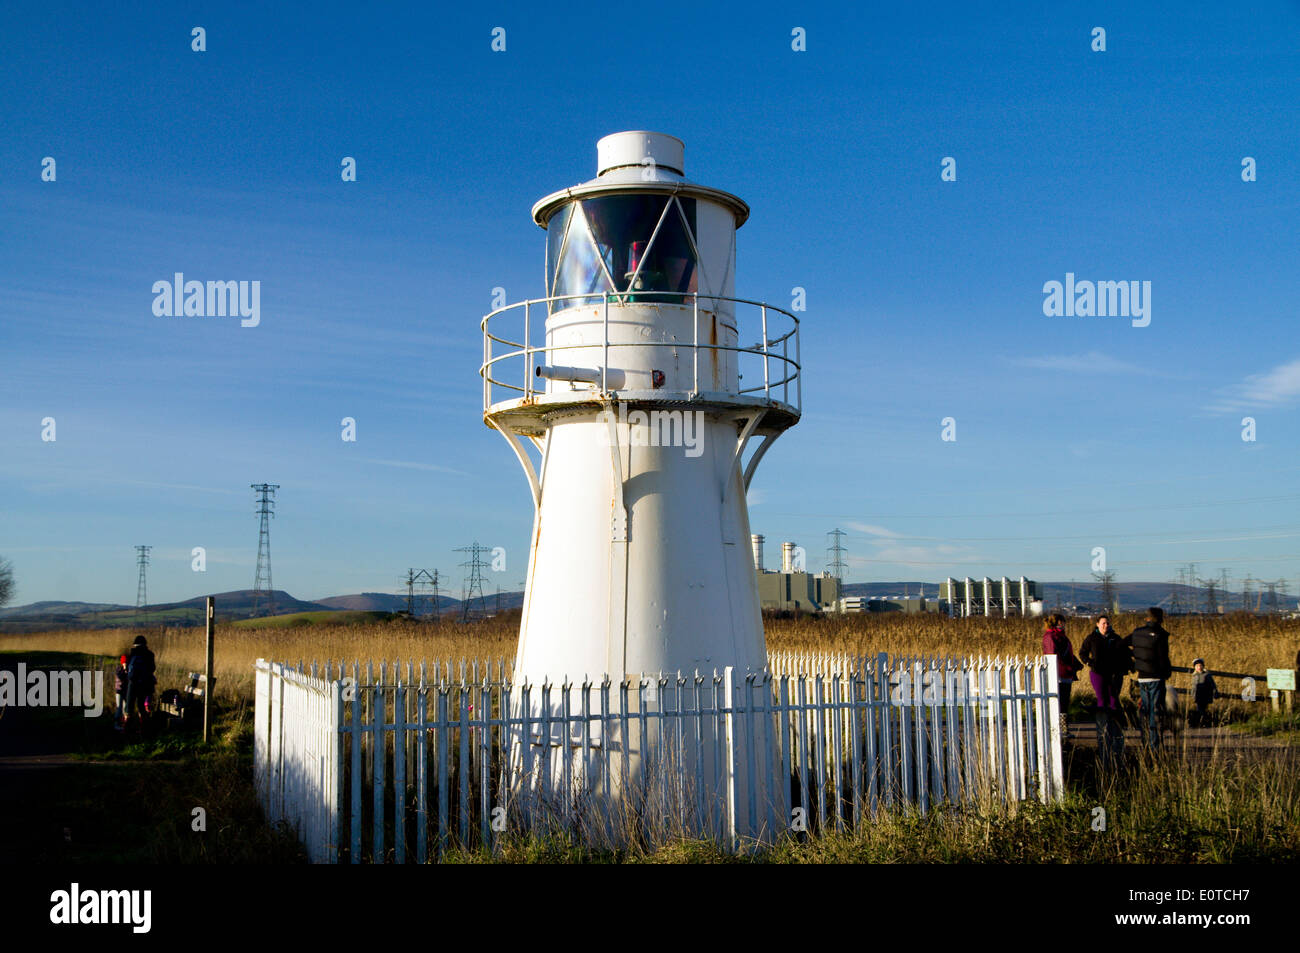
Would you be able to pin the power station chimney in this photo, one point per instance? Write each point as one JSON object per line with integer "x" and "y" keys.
{"x": 757, "y": 542}
{"x": 787, "y": 557}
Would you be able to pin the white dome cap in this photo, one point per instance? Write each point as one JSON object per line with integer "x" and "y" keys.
{"x": 622, "y": 150}
{"x": 623, "y": 171}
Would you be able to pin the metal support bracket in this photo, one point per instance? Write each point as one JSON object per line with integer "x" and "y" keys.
{"x": 768, "y": 440}
{"x": 525, "y": 461}
{"x": 741, "y": 441}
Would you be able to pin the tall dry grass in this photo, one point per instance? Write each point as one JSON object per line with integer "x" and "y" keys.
{"x": 1177, "y": 809}
{"x": 179, "y": 651}
{"x": 1231, "y": 643}
{"x": 1238, "y": 643}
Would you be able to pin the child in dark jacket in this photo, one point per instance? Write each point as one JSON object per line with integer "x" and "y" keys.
{"x": 119, "y": 690}
{"x": 1203, "y": 692}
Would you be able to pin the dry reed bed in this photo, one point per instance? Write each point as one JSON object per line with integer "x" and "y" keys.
{"x": 1238, "y": 643}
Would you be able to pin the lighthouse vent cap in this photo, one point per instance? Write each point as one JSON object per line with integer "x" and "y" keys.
{"x": 623, "y": 150}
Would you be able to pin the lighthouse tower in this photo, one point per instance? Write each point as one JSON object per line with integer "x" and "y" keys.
{"x": 639, "y": 396}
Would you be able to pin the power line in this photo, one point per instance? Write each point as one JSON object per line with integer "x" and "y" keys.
{"x": 1152, "y": 539}
{"x": 1019, "y": 562}
{"x": 1082, "y": 512}
{"x": 262, "y": 578}
{"x": 835, "y": 555}
{"x": 422, "y": 596}
{"x": 141, "y": 594}
{"x": 473, "y": 582}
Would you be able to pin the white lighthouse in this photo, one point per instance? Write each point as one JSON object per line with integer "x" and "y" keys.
{"x": 639, "y": 396}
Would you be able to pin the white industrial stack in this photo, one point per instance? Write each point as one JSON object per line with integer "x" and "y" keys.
{"x": 640, "y": 379}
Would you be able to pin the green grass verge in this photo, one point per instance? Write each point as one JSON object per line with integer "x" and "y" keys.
{"x": 296, "y": 619}
{"x": 1282, "y": 726}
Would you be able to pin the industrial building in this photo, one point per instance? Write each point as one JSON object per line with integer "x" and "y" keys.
{"x": 990, "y": 597}
{"x": 907, "y": 604}
{"x": 793, "y": 589}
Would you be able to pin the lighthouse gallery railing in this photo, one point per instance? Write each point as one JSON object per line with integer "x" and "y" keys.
{"x": 402, "y": 763}
{"x": 778, "y": 329}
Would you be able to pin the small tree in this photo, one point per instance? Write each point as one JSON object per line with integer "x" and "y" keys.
{"x": 6, "y": 582}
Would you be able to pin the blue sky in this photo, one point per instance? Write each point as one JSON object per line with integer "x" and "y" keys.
{"x": 924, "y": 297}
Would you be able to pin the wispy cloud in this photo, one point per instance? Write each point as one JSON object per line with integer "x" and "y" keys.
{"x": 410, "y": 465}
{"x": 872, "y": 530}
{"x": 1274, "y": 388}
{"x": 892, "y": 548}
{"x": 150, "y": 484}
{"x": 1093, "y": 362}
{"x": 943, "y": 556}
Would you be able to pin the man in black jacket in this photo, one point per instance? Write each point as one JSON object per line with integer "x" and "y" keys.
{"x": 1150, "y": 646}
{"x": 140, "y": 680}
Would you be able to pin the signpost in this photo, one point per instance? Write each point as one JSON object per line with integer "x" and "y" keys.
{"x": 207, "y": 675}
{"x": 1281, "y": 680}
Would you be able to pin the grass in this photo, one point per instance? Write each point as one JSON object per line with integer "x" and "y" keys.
{"x": 181, "y": 650}
{"x": 1282, "y": 726}
{"x": 1156, "y": 811}
{"x": 1230, "y": 643}
{"x": 331, "y": 617}
{"x": 100, "y": 797}
{"x": 1220, "y": 808}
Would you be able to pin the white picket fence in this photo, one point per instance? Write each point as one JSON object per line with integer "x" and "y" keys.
{"x": 404, "y": 765}
{"x": 296, "y": 745}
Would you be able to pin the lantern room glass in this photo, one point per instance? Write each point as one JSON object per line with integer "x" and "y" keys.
{"x": 640, "y": 246}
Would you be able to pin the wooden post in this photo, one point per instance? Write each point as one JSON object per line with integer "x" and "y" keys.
{"x": 208, "y": 680}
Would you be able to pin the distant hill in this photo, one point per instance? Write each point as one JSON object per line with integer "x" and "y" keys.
{"x": 239, "y": 604}
{"x": 50, "y": 615}
{"x": 235, "y": 605}
{"x": 384, "y": 602}
{"x": 367, "y": 602}
{"x": 57, "y": 608}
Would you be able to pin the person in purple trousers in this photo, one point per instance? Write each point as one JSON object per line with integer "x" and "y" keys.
{"x": 1109, "y": 659}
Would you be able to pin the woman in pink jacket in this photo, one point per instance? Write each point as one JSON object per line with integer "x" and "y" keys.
{"x": 1055, "y": 642}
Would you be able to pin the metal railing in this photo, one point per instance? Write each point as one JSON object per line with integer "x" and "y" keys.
{"x": 780, "y": 369}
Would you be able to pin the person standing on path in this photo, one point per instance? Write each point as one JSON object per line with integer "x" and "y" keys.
{"x": 1108, "y": 660}
{"x": 1150, "y": 646}
{"x": 1056, "y": 642}
{"x": 119, "y": 691}
{"x": 140, "y": 679}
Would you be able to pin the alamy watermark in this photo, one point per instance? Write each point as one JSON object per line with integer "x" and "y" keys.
{"x": 1102, "y": 299}
{"x": 655, "y": 428}
{"x": 213, "y": 299}
{"x": 127, "y": 907}
{"x": 62, "y": 689}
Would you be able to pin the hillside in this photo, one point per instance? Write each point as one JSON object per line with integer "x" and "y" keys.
{"x": 369, "y": 602}
{"x": 238, "y": 604}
